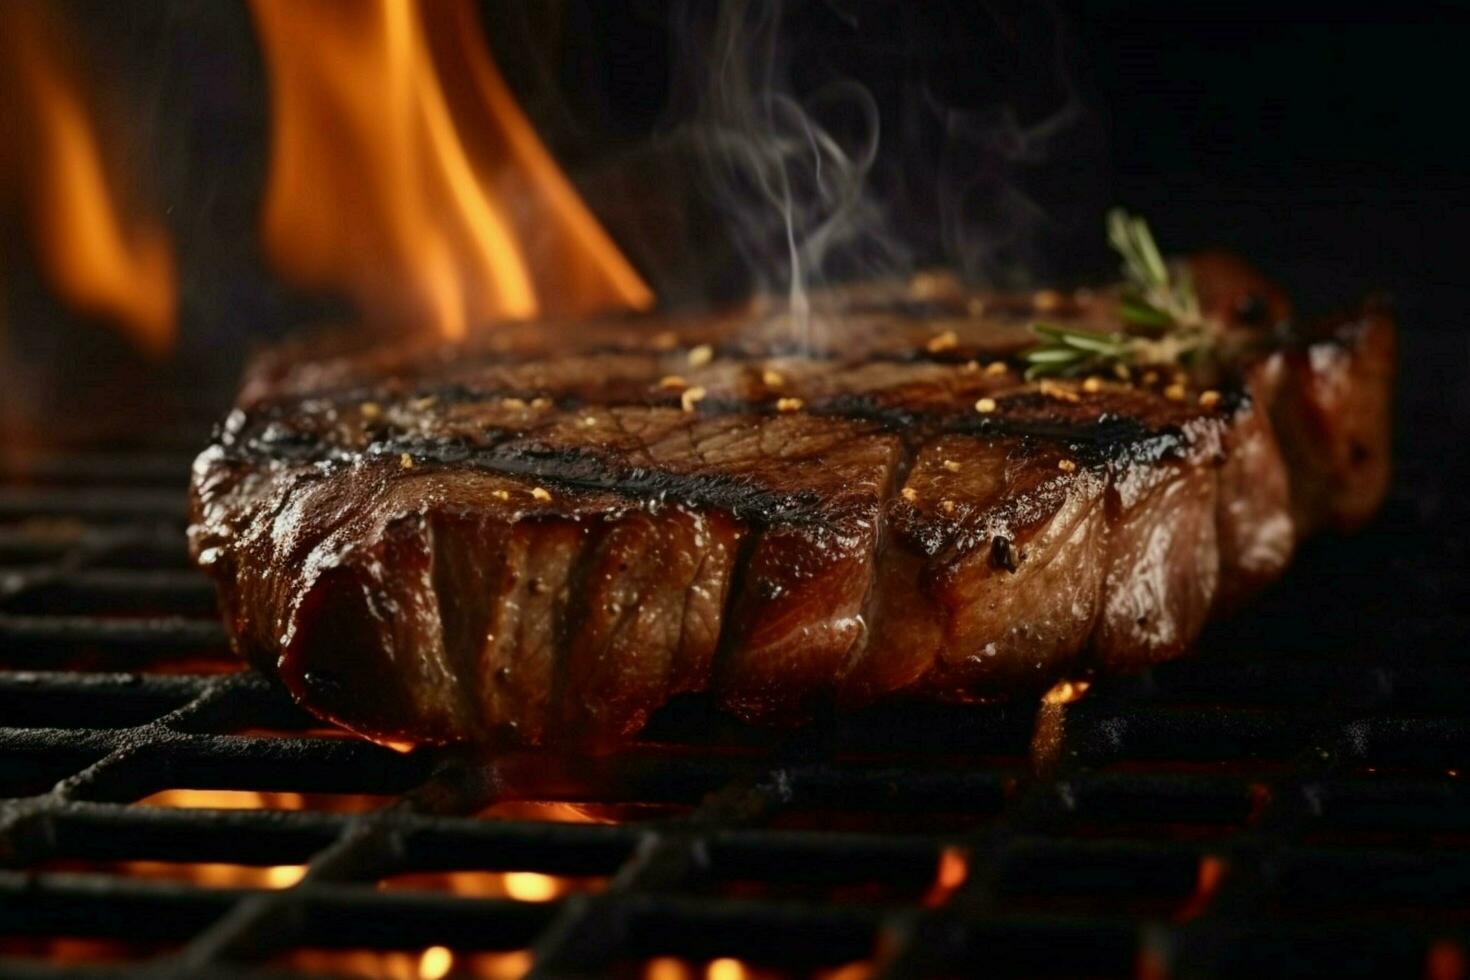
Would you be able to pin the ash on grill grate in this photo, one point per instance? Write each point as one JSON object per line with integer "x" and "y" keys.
{"x": 1294, "y": 797}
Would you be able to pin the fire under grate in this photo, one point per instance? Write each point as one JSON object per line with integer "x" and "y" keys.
{"x": 1290, "y": 802}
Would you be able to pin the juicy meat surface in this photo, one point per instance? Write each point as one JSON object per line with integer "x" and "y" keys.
{"x": 547, "y": 531}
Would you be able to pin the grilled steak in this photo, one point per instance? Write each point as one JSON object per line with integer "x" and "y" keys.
{"x": 548, "y": 531}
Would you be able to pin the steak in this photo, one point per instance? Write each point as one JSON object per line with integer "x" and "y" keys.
{"x": 547, "y": 531}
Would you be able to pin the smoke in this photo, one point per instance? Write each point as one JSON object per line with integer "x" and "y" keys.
{"x": 862, "y": 141}
{"x": 787, "y": 175}
{"x": 1016, "y": 182}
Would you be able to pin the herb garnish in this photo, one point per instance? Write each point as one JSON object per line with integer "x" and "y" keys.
{"x": 1158, "y": 306}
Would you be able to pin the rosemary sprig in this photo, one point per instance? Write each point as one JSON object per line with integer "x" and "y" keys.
{"x": 1158, "y": 306}
{"x": 1063, "y": 352}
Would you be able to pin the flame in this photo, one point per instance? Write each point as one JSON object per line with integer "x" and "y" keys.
{"x": 1051, "y": 721}
{"x": 1212, "y": 871}
{"x": 403, "y": 173}
{"x": 1066, "y": 692}
{"x": 550, "y": 812}
{"x": 103, "y": 262}
{"x": 953, "y": 870}
{"x": 234, "y": 799}
{"x": 223, "y": 799}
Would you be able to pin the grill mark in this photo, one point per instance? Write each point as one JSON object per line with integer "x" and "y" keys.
{"x": 579, "y": 469}
{"x": 1104, "y": 441}
{"x": 1106, "y": 438}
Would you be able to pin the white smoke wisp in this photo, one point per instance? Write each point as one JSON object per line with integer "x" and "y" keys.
{"x": 789, "y": 176}
{"x": 1006, "y": 187}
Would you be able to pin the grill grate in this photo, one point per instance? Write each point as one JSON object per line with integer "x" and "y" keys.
{"x": 1289, "y": 802}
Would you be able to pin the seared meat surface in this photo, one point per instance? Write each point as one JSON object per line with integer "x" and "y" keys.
{"x": 546, "y": 532}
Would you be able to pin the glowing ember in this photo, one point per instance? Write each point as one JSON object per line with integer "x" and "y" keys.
{"x": 436, "y": 962}
{"x": 673, "y": 968}
{"x": 1066, "y": 692}
{"x": 954, "y": 869}
{"x": 523, "y": 886}
{"x": 527, "y": 886}
{"x": 403, "y": 172}
{"x": 103, "y": 262}
{"x": 725, "y": 969}
{"x": 1212, "y": 872}
{"x": 231, "y": 799}
{"x": 433, "y": 963}
{"x": 214, "y": 875}
{"x": 1445, "y": 960}
{"x": 1051, "y": 720}
{"x": 666, "y": 968}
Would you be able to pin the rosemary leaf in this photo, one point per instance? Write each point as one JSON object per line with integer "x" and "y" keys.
{"x": 1054, "y": 355}
{"x": 1143, "y": 314}
{"x": 1158, "y": 306}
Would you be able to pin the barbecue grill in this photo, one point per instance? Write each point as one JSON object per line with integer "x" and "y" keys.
{"x": 1291, "y": 801}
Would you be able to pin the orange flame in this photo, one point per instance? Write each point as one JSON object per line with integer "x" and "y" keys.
{"x": 98, "y": 259}
{"x": 953, "y": 870}
{"x": 1065, "y": 692}
{"x": 403, "y": 173}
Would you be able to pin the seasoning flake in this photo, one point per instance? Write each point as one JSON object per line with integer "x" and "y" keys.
{"x": 948, "y": 340}
{"x": 691, "y": 397}
{"x": 1046, "y": 301}
{"x": 1060, "y": 392}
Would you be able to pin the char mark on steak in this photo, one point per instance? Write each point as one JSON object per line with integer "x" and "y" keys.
{"x": 546, "y": 534}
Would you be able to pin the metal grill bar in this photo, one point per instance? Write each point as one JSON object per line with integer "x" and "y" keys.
{"x": 1205, "y": 818}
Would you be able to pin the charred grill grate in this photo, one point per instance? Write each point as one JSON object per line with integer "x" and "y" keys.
{"x": 1291, "y": 801}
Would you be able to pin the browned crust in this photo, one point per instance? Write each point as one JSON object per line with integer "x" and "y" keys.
{"x": 499, "y": 544}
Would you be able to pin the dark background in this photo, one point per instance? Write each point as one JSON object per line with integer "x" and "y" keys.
{"x": 1324, "y": 140}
